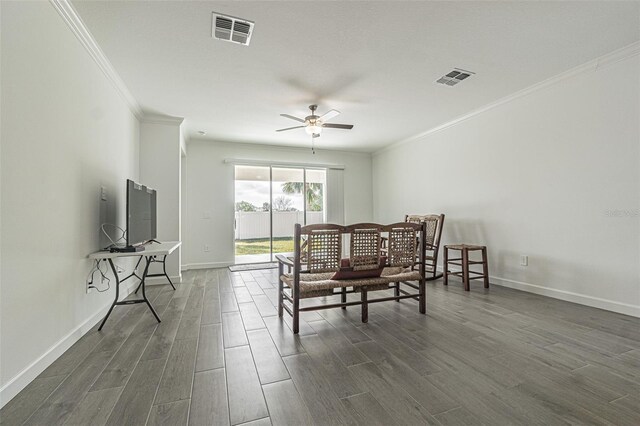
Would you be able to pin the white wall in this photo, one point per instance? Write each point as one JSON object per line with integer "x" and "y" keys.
{"x": 539, "y": 176}
{"x": 210, "y": 192}
{"x": 65, "y": 133}
{"x": 160, "y": 158}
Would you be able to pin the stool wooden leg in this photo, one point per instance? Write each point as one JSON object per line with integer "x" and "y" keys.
{"x": 423, "y": 297}
{"x": 445, "y": 266}
{"x": 365, "y": 304}
{"x": 465, "y": 269}
{"x": 343, "y": 297}
{"x": 485, "y": 267}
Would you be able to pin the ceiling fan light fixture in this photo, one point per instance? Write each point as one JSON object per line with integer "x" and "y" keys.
{"x": 313, "y": 124}
{"x": 313, "y": 129}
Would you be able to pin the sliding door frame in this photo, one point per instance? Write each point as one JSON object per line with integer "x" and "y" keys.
{"x": 279, "y": 165}
{"x": 271, "y": 213}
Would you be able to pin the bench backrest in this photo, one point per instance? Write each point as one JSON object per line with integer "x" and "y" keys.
{"x": 324, "y": 245}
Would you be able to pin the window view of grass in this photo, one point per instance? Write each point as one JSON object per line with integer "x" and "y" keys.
{"x": 262, "y": 246}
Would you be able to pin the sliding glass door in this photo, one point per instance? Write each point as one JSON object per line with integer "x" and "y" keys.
{"x": 288, "y": 206}
{"x": 269, "y": 201}
{"x": 252, "y": 214}
{"x": 315, "y": 200}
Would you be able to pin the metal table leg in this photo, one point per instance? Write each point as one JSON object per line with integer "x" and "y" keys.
{"x": 144, "y": 295}
{"x": 164, "y": 271}
{"x": 115, "y": 302}
{"x": 130, "y": 302}
{"x": 133, "y": 274}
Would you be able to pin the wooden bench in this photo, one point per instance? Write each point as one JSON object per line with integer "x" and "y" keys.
{"x": 312, "y": 271}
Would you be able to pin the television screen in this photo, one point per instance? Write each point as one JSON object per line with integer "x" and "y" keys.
{"x": 141, "y": 213}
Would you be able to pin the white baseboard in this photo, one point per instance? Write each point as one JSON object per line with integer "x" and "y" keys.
{"x": 162, "y": 280}
{"x": 208, "y": 265}
{"x": 581, "y": 299}
{"x": 29, "y": 373}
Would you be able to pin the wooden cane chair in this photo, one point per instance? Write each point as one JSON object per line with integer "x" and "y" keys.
{"x": 434, "y": 224}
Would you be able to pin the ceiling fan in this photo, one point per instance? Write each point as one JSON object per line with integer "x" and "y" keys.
{"x": 313, "y": 124}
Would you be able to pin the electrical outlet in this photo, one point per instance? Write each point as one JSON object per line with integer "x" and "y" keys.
{"x": 524, "y": 260}
{"x": 206, "y": 248}
{"x": 103, "y": 193}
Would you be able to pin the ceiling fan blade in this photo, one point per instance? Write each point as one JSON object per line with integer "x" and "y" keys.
{"x": 329, "y": 115}
{"x": 292, "y": 117}
{"x": 338, "y": 126}
{"x": 290, "y": 128}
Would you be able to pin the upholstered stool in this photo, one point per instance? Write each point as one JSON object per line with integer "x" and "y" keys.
{"x": 464, "y": 262}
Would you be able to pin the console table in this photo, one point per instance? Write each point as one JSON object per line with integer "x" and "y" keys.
{"x": 150, "y": 254}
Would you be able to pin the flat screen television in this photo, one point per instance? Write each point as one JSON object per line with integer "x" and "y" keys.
{"x": 141, "y": 214}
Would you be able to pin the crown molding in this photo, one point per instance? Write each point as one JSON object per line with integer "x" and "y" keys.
{"x": 82, "y": 33}
{"x": 593, "y": 65}
{"x": 161, "y": 119}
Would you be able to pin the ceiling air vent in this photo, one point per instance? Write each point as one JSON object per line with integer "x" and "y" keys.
{"x": 229, "y": 28}
{"x": 454, "y": 77}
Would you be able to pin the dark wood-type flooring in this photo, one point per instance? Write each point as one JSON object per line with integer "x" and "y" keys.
{"x": 222, "y": 356}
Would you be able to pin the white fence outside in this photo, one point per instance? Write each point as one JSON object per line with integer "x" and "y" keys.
{"x": 250, "y": 225}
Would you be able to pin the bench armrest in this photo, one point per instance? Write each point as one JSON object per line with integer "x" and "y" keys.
{"x": 284, "y": 260}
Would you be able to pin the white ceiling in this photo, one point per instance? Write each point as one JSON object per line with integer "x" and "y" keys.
{"x": 376, "y": 62}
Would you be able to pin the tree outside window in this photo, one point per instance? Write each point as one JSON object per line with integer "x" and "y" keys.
{"x": 314, "y": 194}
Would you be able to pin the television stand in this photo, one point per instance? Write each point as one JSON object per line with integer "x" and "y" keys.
{"x": 150, "y": 255}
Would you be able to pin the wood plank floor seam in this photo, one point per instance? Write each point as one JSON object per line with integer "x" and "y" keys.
{"x": 355, "y": 394}
{"x": 276, "y": 381}
{"x": 246, "y": 423}
{"x": 256, "y": 367}
{"x": 617, "y": 399}
{"x": 209, "y": 369}
{"x": 194, "y": 370}
{"x": 220, "y": 272}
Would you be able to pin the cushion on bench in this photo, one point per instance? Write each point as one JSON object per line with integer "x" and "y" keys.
{"x": 321, "y": 284}
{"x": 348, "y": 272}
